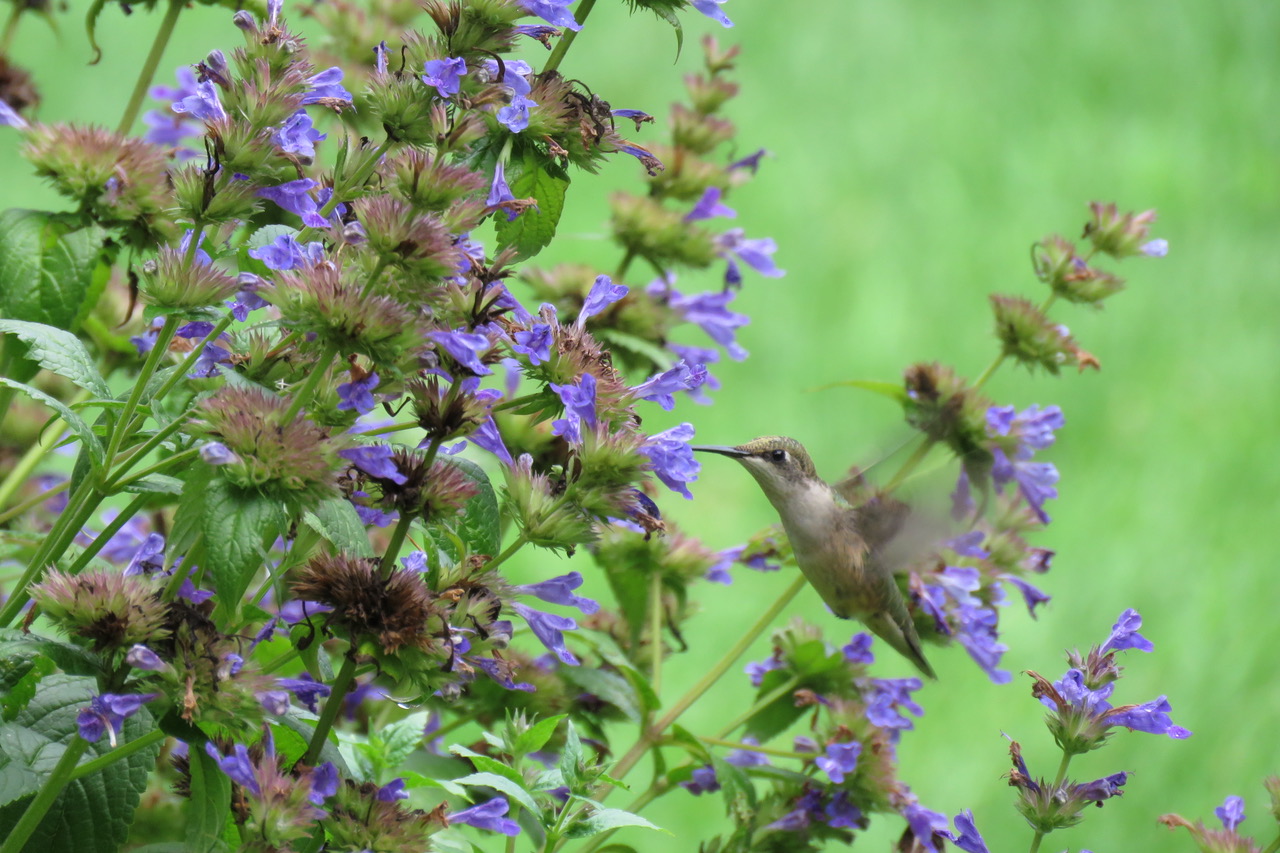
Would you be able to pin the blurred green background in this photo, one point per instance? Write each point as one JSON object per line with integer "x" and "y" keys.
{"x": 918, "y": 150}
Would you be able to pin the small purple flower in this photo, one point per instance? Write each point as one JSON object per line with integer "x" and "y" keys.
{"x": 1124, "y": 634}
{"x": 514, "y": 72}
{"x": 809, "y": 808}
{"x": 358, "y": 394}
{"x": 327, "y": 85}
{"x": 888, "y": 698}
{"x": 548, "y": 628}
{"x": 553, "y": 12}
{"x": 500, "y": 192}
{"x": 603, "y": 294}
{"x": 672, "y": 459}
{"x": 579, "y": 408}
{"x": 841, "y": 759}
{"x": 392, "y": 791}
{"x": 1032, "y": 595}
{"x": 149, "y": 558}
{"x": 1231, "y": 813}
{"x": 106, "y": 714}
{"x": 702, "y": 781}
{"x": 841, "y": 812}
{"x": 141, "y": 657}
{"x": 298, "y": 136}
{"x": 662, "y": 387}
{"x": 465, "y": 348}
{"x": 216, "y": 453}
{"x": 756, "y": 669}
{"x": 375, "y": 460}
{"x": 751, "y": 161}
{"x": 10, "y": 117}
{"x": 515, "y": 115}
{"x": 709, "y": 206}
{"x": 711, "y": 8}
{"x": 307, "y": 689}
{"x": 324, "y": 783}
{"x": 445, "y": 75}
{"x": 295, "y": 197}
{"x": 275, "y": 702}
{"x": 755, "y": 253}
{"x": 1157, "y": 248}
{"x": 540, "y": 32}
{"x": 747, "y": 757}
{"x": 969, "y": 545}
{"x": 1150, "y": 717}
{"x": 535, "y": 343}
{"x": 286, "y": 253}
{"x": 489, "y": 816}
{"x": 924, "y": 823}
{"x": 969, "y": 838}
{"x": 710, "y": 312}
{"x": 237, "y": 766}
{"x": 487, "y": 437}
{"x": 559, "y": 590}
{"x": 1102, "y": 789}
{"x": 858, "y": 651}
{"x": 299, "y": 610}
{"x": 202, "y": 103}
{"x": 977, "y": 633}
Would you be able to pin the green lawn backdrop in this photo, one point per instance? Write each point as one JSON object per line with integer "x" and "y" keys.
{"x": 918, "y": 149}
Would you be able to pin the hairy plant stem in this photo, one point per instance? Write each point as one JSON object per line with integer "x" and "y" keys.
{"x": 650, "y": 738}
{"x": 332, "y": 706}
{"x": 42, "y": 801}
{"x": 398, "y": 535}
{"x": 516, "y": 545}
{"x": 308, "y": 389}
{"x": 763, "y": 702}
{"x": 192, "y": 357}
{"x": 149, "y": 66}
{"x": 557, "y": 55}
{"x": 1057, "y": 783}
{"x": 124, "y": 750}
{"x": 124, "y": 426}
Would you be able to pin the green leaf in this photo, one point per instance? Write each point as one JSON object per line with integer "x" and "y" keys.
{"x": 571, "y": 760}
{"x": 477, "y": 527}
{"x": 58, "y": 351}
{"x": 546, "y": 183}
{"x": 417, "y": 780}
{"x": 504, "y": 785}
{"x": 670, "y": 17}
{"x": 238, "y": 525}
{"x": 605, "y": 819}
{"x": 97, "y": 454}
{"x": 336, "y": 520}
{"x": 894, "y": 391}
{"x": 401, "y": 738}
{"x": 188, "y": 519}
{"x": 154, "y": 484}
{"x": 536, "y": 736}
{"x": 93, "y": 812}
{"x": 19, "y": 675}
{"x": 609, "y": 686}
{"x": 485, "y": 764}
{"x": 48, "y": 267}
{"x": 209, "y": 807}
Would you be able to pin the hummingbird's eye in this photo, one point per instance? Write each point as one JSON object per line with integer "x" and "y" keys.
{"x": 778, "y": 455}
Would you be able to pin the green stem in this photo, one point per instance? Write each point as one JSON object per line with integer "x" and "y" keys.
{"x": 125, "y": 425}
{"x": 44, "y": 800}
{"x": 332, "y": 706}
{"x": 124, "y": 750}
{"x": 655, "y": 629}
{"x": 762, "y": 703}
{"x": 79, "y": 508}
{"x": 49, "y": 437}
{"x": 641, "y": 746}
{"x": 519, "y": 543}
{"x": 387, "y": 430}
{"x": 398, "y": 535}
{"x": 193, "y": 557}
{"x": 553, "y": 61}
{"x": 308, "y": 389}
{"x": 766, "y": 750}
{"x": 11, "y": 27}
{"x": 19, "y": 508}
{"x": 196, "y": 351}
{"x": 101, "y": 540}
{"x": 1273, "y": 846}
{"x": 343, "y": 188}
{"x": 175, "y": 459}
{"x": 917, "y": 456}
{"x": 1057, "y": 784}
{"x": 150, "y": 65}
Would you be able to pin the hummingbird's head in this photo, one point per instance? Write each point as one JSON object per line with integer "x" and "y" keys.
{"x": 780, "y": 465}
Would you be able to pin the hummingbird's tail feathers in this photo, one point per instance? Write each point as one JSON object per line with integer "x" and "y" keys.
{"x": 902, "y": 637}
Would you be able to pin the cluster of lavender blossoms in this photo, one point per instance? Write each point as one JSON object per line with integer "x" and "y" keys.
{"x": 256, "y": 571}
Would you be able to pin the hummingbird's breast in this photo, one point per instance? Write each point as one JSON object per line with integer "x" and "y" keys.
{"x": 830, "y": 551}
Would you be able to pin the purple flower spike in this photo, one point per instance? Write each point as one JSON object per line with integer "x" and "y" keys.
{"x": 711, "y": 8}
{"x": 841, "y": 759}
{"x": 1124, "y": 634}
{"x": 286, "y": 253}
{"x": 548, "y": 628}
{"x": 559, "y": 590}
{"x": 488, "y": 816}
{"x": 375, "y": 460}
{"x": 445, "y": 75}
{"x": 969, "y": 838}
{"x": 1231, "y": 813}
{"x": 553, "y": 12}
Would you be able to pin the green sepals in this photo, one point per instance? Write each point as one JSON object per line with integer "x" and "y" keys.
{"x": 404, "y": 105}
{"x": 1027, "y": 335}
{"x": 698, "y": 132}
{"x": 661, "y": 236}
{"x": 172, "y": 283}
{"x": 541, "y": 179}
{"x": 943, "y": 406}
{"x": 543, "y": 517}
{"x": 1057, "y": 263}
{"x": 572, "y": 764}
{"x": 200, "y": 196}
{"x": 1120, "y": 235}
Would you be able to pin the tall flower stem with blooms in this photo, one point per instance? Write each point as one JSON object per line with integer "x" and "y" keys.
{"x": 148, "y": 72}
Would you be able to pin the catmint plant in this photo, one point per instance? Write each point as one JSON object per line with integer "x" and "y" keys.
{"x": 293, "y": 387}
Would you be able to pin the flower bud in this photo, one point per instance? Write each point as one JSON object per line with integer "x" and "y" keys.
{"x": 1026, "y": 334}
{"x": 1119, "y": 235}
{"x": 172, "y": 283}
{"x": 647, "y": 229}
{"x": 109, "y": 610}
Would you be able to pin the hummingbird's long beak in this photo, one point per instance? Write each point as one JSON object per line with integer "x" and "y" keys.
{"x": 735, "y": 452}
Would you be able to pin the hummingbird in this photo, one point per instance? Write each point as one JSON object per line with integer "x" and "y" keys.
{"x": 832, "y": 541}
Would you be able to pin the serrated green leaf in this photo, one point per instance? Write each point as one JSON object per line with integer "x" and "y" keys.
{"x": 504, "y": 785}
{"x": 209, "y": 806}
{"x": 401, "y": 738}
{"x": 97, "y": 455}
{"x": 477, "y": 527}
{"x": 20, "y": 673}
{"x": 605, "y": 819}
{"x": 304, "y": 729}
{"x": 16, "y": 779}
{"x": 48, "y": 266}
{"x": 336, "y": 520}
{"x": 188, "y": 519}
{"x": 546, "y": 183}
{"x": 238, "y": 525}
{"x": 58, "y": 351}
{"x": 571, "y": 760}
{"x": 93, "y": 812}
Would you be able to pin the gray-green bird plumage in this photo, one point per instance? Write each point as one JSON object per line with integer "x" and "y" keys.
{"x": 830, "y": 542}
